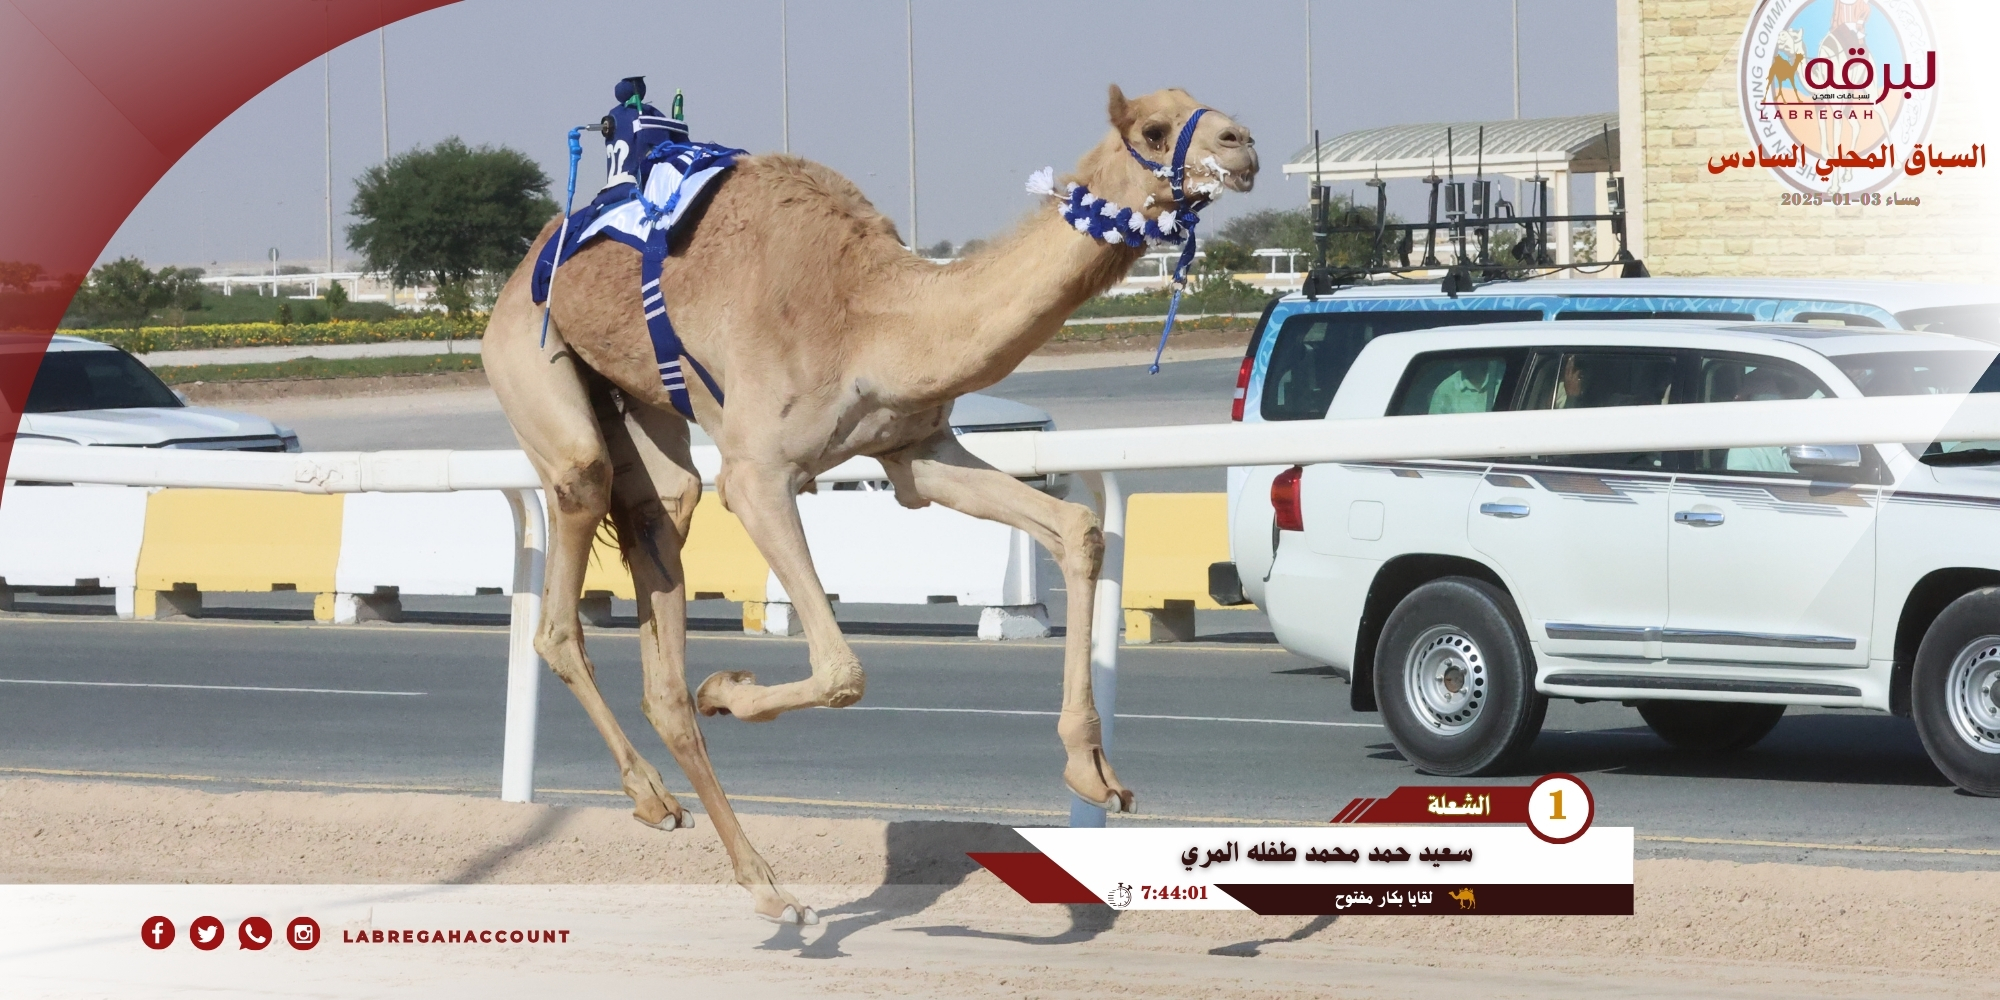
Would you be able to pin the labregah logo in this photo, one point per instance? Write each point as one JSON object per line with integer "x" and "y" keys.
{"x": 1831, "y": 83}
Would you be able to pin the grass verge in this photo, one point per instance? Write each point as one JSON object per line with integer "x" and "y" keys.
{"x": 316, "y": 368}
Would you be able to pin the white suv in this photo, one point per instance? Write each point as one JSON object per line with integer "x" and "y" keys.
{"x": 1710, "y": 589}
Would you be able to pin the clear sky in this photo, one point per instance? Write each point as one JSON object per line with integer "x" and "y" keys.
{"x": 1002, "y": 89}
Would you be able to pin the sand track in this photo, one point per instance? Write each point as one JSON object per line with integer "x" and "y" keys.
{"x": 910, "y": 915}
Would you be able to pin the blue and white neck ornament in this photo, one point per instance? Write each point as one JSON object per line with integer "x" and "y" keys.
{"x": 1100, "y": 219}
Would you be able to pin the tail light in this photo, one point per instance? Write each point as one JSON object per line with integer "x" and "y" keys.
{"x": 1242, "y": 391}
{"x": 1285, "y": 500}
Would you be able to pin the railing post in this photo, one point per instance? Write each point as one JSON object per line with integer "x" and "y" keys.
{"x": 1106, "y": 619}
{"x": 524, "y": 665}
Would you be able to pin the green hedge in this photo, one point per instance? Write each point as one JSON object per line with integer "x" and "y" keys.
{"x": 1094, "y": 332}
{"x": 186, "y": 338}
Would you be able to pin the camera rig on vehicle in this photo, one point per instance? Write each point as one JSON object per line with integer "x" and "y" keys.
{"x": 1470, "y": 225}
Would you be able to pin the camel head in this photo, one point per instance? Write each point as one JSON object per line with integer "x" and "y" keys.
{"x": 1221, "y": 155}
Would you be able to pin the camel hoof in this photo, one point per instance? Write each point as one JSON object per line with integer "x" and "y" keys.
{"x": 1091, "y": 780}
{"x": 670, "y": 822}
{"x": 708, "y": 698}
{"x": 791, "y": 916}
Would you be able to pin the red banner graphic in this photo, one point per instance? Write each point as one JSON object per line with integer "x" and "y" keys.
{"x": 102, "y": 97}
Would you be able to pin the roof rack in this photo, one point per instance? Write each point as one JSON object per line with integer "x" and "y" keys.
{"x": 1463, "y": 223}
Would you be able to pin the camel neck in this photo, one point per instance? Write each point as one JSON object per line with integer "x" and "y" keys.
{"x": 975, "y": 320}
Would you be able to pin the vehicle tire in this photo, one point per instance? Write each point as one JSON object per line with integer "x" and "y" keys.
{"x": 1711, "y": 726}
{"x": 1455, "y": 679}
{"x": 1955, "y": 691}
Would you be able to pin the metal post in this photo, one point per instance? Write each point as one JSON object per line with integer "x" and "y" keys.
{"x": 1105, "y": 621}
{"x": 524, "y": 665}
{"x": 910, "y": 39}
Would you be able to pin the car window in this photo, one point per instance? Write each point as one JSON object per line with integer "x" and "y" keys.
{"x": 1608, "y": 314}
{"x": 1457, "y": 382}
{"x": 1586, "y": 379}
{"x": 95, "y": 380}
{"x": 1736, "y": 379}
{"x": 1929, "y": 373}
{"x": 1314, "y": 351}
{"x": 1921, "y": 373}
{"x": 1980, "y": 322}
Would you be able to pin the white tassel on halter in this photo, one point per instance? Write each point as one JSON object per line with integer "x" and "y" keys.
{"x": 1043, "y": 181}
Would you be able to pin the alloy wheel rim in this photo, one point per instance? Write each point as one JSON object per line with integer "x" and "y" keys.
{"x": 1446, "y": 677}
{"x": 1972, "y": 694}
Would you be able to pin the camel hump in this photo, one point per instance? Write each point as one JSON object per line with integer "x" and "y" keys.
{"x": 800, "y": 183}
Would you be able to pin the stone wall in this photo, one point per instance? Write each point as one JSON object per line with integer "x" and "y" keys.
{"x": 1678, "y": 68}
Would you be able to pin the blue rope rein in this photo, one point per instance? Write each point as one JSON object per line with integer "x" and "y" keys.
{"x": 569, "y": 198}
{"x": 1184, "y": 214}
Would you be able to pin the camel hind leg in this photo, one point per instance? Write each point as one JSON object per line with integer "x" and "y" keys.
{"x": 654, "y": 492}
{"x": 543, "y": 391}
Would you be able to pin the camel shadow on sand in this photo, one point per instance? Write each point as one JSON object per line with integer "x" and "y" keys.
{"x": 925, "y": 861}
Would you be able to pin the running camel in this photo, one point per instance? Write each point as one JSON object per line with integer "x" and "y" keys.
{"x": 828, "y": 339}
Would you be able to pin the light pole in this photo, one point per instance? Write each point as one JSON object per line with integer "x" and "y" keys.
{"x": 910, "y": 39}
{"x": 1309, "y": 77}
{"x": 382, "y": 49}
{"x": 785, "y": 73}
{"x": 1517, "y": 58}
{"x": 326, "y": 63}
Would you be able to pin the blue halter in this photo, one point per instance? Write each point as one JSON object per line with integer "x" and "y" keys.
{"x": 1184, "y": 213}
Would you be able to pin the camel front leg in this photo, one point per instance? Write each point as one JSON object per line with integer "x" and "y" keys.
{"x": 765, "y": 499}
{"x": 654, "y": 496}
{"x": 942, "y": 470}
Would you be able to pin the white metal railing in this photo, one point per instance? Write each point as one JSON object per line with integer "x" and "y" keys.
{"x": 1098, "y": 453}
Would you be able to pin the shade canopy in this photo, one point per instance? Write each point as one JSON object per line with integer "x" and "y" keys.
{"x": 1519, "y": 147}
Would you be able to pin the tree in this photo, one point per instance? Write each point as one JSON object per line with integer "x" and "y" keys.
{"x": 335, "y": 297}
{"x": 446, "y": 214}
{"x": 125, "y": 291}
{"x": 937, "y": 251}
{"x": 1224, "y": 256}
{"x": 1286, "y": 228}
{"x": 1291, "y": 229}
{"x": 19, "y": 275}
{"x": 179, "y": 291}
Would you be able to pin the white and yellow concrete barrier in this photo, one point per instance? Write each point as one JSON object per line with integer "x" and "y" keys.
{"x": 1170, "y": 540}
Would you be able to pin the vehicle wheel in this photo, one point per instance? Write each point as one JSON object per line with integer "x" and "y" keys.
{"x": 1955, "y": 692}
{"x": 1711, "y": 726}
{"x": 1456, "y": 680}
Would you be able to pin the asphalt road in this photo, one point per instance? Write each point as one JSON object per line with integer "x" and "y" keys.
{"x": 1206, "y": 732}
{"x": 1187, "y": 392}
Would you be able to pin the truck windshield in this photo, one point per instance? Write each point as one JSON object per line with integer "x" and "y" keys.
{"x": 1930, "y": 373}
{"x": 96, "y": 380}
{"x": 1981, "y": 322}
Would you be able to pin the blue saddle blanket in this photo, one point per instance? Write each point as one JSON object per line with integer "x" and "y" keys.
{"x": 681, "y": 173}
